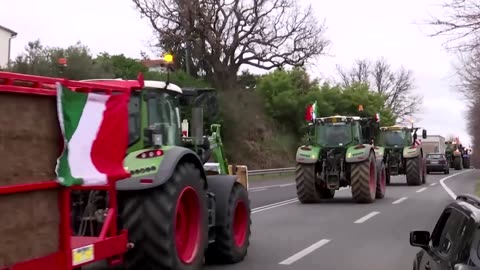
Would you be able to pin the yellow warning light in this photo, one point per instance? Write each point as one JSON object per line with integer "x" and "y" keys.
{"x": 168, "y": 58}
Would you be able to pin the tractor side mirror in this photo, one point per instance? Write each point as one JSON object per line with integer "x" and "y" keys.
{"x": 424, "y": 134}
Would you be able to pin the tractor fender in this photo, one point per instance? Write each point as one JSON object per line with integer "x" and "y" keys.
{"x": 221, "y": 186}
{"x": 358, "y": 153}
{"x": 409, "y": 152}
{"x": 167, "y": 166}
{"x": 307, "y": 154}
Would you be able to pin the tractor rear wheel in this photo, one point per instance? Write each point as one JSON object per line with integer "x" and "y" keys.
{"x": 168, "y": 225}
{"x": 233, "y": 238}
{"x": 364, "y": 180}
{"x": 466, "y": 163}
{"x": 415, "y": 170}
{"x": 381, "y": 182}
{"x": 306, "y": 185}
{"x": 457, "y": 163}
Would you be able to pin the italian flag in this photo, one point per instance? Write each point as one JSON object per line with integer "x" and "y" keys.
{"x": 311, "y": 113}
{"x": 95, "y": 133}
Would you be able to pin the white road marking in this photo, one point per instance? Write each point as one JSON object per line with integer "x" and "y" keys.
{"x": 400, "y": 200}
{"x": 272, "y": 186}
{"x": 287, "y": 185}
{"x": 278, "y": 204}
{"x": 366, "y": 217}
{"x": 274, "y": 205}
{"x": 422, "y": 189}
{"x": 433, "y": 184}
{"x": 305, "y": 252}
{"x": 447, "y": 189}
{"x": 260, "y": 189}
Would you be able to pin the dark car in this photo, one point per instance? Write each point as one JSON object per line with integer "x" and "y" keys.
{"x": 437, "y": 163}
{"x": 455, "y": 241}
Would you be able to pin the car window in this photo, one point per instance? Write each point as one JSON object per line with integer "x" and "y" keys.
{"x": 449, "y": 231}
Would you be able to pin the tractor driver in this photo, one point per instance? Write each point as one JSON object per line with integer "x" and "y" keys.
{"x": 338, "y": 135}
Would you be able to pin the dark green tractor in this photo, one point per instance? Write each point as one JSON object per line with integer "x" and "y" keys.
{"x": 403, "y": 154}
{"x": 340, "y": 153}
{"x": 458, "y": 157}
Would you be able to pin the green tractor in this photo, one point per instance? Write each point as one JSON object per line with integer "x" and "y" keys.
{"x": 340, "y": 153}
{"x": 458, "y": 157}
{"x": 178, "y": 213}
{"x": 403, "y": 154}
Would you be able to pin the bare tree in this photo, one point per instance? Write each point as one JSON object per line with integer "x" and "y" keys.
{"x": 395, "y": 86}
{"x": 461, "y": 23}
{"x": 222, "y": 35}
{"x": 360, "y": 73}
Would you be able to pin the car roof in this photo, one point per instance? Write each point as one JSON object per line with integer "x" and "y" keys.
{"x": 468, "y": 204}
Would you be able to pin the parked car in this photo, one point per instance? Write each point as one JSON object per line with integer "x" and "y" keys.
{"x": 437, "y": 162}
{"x": 455, "y": 241}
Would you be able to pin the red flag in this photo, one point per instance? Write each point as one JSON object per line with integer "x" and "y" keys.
{"x": 309, "y": 113}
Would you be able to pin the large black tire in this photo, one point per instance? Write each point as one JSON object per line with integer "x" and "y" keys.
{"x": 364, "y": 180}
{"x": 381, "y": 182}
{"x": 305, "y": 182}
{"x": 150, "y": 216}
{"x": 457, "y": 163}
{"x": 387, "y": 177}
{"x": 415, "y": 170}
{"x": 466, "y": 163}
{"x": 424, "y": 171}
{"x": 232, "y": 239}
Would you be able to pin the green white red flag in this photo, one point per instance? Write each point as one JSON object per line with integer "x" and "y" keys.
{"x": 95, "y": 132}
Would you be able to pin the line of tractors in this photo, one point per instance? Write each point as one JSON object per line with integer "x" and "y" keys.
{"x": 355, "y": 151}
{"x": 457, "y": 155}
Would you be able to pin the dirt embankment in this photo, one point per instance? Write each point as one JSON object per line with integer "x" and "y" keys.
{"x": 251, "y": 137}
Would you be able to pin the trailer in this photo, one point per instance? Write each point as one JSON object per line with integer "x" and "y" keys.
{"x": 161, "y": 210}
{"x": 433, "y": 144}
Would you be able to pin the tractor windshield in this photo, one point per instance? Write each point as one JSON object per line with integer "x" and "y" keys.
{"x": 392, "y": 138}
{"x": 164, "y": 115}
{"x": 334, "y": 134}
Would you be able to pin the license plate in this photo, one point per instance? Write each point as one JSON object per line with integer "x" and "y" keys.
{"x": 434, "y": 162}
{"x": 83, "y": 255}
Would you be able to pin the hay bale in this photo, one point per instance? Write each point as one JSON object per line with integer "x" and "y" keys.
{"x": 29, "y": 147}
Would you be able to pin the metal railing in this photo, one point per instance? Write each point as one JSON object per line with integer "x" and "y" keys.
{"x": 271, "y": 171}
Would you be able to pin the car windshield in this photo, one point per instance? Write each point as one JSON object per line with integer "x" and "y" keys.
{"x": 392, "y": 138}
{"x": 435, "y": 156}
{"x": 334, "y": 134}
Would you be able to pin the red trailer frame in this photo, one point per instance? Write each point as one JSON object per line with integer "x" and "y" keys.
{"x": 111, "y": 244}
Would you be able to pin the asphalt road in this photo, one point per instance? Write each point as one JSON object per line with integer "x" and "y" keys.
{"x": 340, "y": 234}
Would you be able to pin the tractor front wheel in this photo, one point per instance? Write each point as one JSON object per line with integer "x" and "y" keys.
{"x": 305, "y": 179}
{"x": 415, "y": 171}
{"x": 168, "y": 225}
{"x": 381, "y": 182}
{"x": 233, "y": 238}
{"x": 364, "y": 180}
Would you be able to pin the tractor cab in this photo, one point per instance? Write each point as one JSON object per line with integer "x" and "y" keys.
{"x": 337, "y": 131}
{"x": 153, "y": 114}
{"x": 394, "y": 136}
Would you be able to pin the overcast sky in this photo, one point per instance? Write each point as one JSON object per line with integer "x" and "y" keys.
{"x": 357, "y": 29}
